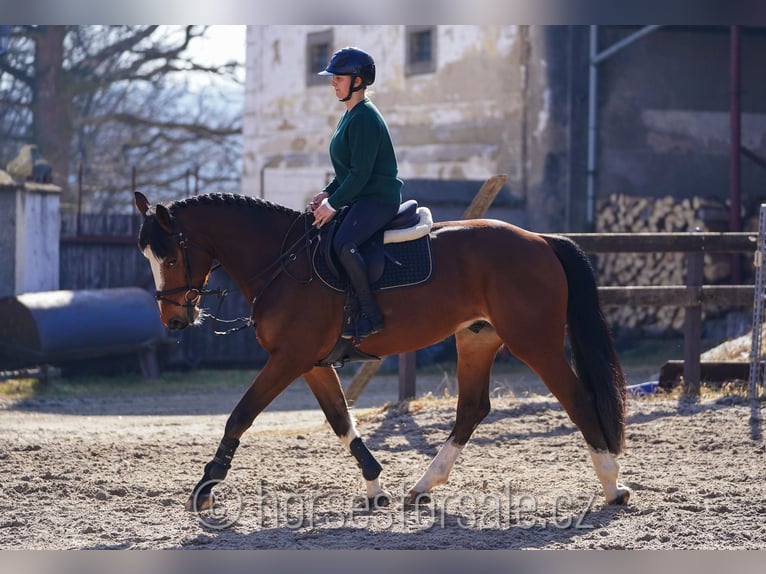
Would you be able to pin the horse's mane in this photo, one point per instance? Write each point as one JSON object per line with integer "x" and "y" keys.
{"x": 162, "y": 244}
{"x": 228, "y": 199}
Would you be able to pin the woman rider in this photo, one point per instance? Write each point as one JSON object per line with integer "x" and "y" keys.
{"x": 366, "y": 169}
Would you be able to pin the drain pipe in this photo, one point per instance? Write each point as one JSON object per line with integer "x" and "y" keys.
{"x": 735, "y": 161}
{"x": 595, "y": 59}
{"x": 590, "y": 218}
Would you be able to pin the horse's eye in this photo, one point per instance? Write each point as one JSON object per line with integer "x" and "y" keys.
{"x": 170, "y": 263}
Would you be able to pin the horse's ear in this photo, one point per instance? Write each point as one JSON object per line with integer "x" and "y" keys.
{"x": 142, "y": 204}
{"x": 164, "y": 218}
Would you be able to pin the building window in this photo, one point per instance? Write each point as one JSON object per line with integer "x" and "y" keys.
{"x": 421, "y": 49}
{"x": 318, "y": 53}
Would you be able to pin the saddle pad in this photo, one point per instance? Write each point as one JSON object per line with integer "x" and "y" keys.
{"x": 414, "y": 256}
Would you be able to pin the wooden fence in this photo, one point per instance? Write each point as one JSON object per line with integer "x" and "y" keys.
{"x": 692, "y": 296}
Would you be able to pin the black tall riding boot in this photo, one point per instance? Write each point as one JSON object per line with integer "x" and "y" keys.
{"x": 370, "y": 319}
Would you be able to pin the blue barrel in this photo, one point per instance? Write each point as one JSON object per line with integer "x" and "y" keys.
{"x": 59, "y": 326}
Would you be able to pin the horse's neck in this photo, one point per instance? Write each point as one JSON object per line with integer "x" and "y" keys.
{"x": 246, "y": 241}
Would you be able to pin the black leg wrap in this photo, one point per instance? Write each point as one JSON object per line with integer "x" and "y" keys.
{"x": 225, "y": 452}
{"x": 370, "y": 467}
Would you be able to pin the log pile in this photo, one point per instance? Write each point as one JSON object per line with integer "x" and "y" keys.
{"x": 631, "y": 214}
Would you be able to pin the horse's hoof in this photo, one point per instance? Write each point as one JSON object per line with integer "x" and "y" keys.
{"x": 202, "y": 503}
{"x": 382, "y": 500}
{"x": 417, "y": 498}
{"x": 623, "y": 495}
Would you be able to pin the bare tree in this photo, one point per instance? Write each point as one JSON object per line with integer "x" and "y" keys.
{"x": 114, "y": 98}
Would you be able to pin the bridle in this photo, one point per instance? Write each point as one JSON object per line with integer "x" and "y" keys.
{"x": 193, "y": 294}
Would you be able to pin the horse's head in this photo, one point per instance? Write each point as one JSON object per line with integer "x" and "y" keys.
{"x": 179, "y": 265}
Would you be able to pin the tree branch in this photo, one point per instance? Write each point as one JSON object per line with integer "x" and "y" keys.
{"x": 147, "y": 64}
{"x": 198, "y": 130}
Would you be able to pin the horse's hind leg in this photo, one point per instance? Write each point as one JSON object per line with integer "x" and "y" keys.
{"x": 579, "y": 404}
{"x": 476, "y": 353}
{"x": 325, "y": 385}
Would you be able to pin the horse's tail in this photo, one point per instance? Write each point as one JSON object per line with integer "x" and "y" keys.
{"x": 593, "y": 352}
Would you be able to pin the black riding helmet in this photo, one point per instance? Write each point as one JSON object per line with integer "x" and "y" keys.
{"x": 351, "y": 62}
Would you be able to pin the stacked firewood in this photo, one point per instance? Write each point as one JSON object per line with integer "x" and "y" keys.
{"x": 630, "y": 214}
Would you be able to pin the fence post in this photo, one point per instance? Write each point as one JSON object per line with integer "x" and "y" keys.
{"x": 407, "y": 376}
{"x": 695, "y": 263}
{"x": 756, "y": 355}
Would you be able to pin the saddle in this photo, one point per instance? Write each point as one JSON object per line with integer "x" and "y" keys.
{"x": 396, "y": 256}
{"x": 394, "y": 247}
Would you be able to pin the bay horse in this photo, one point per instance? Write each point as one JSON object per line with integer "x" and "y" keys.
{"x": 525, "y": 288}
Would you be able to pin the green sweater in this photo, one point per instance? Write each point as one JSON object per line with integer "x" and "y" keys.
{"x": 363, "y": 158}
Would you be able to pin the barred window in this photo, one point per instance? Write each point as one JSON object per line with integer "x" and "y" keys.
{"x": 421, "y": 50}
{"x": 318, "y": 54}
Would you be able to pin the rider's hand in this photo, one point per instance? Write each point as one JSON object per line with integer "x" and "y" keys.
{"x": 317, "y": 200}
{"x": 323, "y": 213}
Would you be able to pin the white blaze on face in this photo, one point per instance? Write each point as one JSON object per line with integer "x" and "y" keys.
{"x": 156, "y": 266}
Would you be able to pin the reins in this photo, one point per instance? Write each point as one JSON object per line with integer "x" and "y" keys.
{"x": 276, "y": 268}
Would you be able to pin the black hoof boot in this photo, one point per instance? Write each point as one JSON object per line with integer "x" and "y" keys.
{"x": 215, "y": 472}
{"x": 200, "y": 498}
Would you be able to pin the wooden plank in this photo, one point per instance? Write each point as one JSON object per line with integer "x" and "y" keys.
{"x": 676, "y": 295}
{"x": 714, "y": 372}
{"x": 707, "y": 242}
{"x": 361, "y": 378}
{"x": 485, "y": 196}
{"x": 131, "y": 240}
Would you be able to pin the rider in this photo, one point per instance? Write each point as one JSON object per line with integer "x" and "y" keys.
{"x": 365, "y": 178}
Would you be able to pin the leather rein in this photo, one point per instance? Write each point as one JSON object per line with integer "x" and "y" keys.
{"x": 193, "y": 295}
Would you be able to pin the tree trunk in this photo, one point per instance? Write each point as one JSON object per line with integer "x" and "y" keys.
{"x": 51, "y": 111}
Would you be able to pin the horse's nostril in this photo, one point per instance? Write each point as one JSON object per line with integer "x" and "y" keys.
{"x": 176, "y": 324}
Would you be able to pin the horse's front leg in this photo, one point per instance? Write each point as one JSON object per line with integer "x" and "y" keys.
{"x": 275, "y": 376}
{"x": 325, "y": 384}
